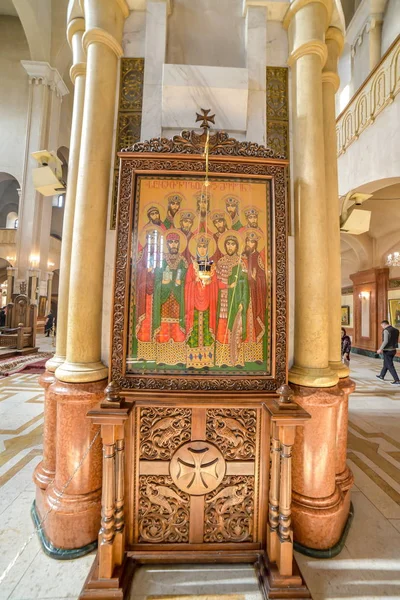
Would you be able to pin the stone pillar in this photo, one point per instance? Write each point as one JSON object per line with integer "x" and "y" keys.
{"x": 330, "y": 85}
{"x": 319, "y": 506}
{"x": 307, "y": 25}
{"x": 45, "y": 471}
{"x": 34, "y": 277}
{"x": 34, "y": 219}
{"x": 75, "y": 31}
{"x": 49, "y": 289}
{"x": 154, "y": 59}
{"x": 80, "y": 380}
{"x": 11, "y": 271}
{"x": 375, "y": 40}
{"x": 256, "y": 58}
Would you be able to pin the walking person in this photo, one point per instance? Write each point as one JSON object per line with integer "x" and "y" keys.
{"x": 346, "y": 347}
{"x": 390, "y": 339}
{"x": 48, "y": 327}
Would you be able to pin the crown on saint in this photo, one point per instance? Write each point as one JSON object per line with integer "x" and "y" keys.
{"x": 231, "y": 238}
{"x": 218, "y": 215}
{"x": 203, "y": 240}
{"x": 231, "y": 201}
{"x": 173, "y": 237}
{"x": 202, "y": 194}
{"x": 151, "y": 209}
{"x": 174, "y": 197}
{"x": 251, "y": 210}
{"x": 253, "y": 236}
{"x": 187, "y": 214}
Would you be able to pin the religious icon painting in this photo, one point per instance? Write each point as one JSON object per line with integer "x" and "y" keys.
{"x": 200, "y": 281}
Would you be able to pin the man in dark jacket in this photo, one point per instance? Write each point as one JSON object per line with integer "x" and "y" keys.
{"x": 390, "y": 339}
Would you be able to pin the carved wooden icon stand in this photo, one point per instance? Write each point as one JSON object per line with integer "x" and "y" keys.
{"x": 197, "y": 448}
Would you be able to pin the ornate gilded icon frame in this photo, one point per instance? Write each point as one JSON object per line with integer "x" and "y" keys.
{"x": 184, "y": 155}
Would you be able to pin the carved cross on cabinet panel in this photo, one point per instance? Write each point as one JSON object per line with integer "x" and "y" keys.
{"x": 211, "y": 483}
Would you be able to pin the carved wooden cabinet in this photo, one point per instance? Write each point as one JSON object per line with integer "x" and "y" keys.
{"x": 199, "y": 475}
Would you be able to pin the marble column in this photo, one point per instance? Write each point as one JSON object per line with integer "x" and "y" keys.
{"x": 45, "y": 470}
{"x": 319, "y": 507}
{"x": 306, "y": 27}
{"x": 256, "y": 62}
{"x": 34, "y": 277}
{"x": 34, "y": 219}
{"x": 80, "y": 380}
{"x": 49, "y": 290}
{"x": 330, "y": 84}
{"x": 154, "y": 59}
{"x": 11, "y": 272}
{"x": 375, "y": 40}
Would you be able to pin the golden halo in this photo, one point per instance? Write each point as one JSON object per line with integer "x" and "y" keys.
{"x": 243, "y": 218}
{"x": 261, "y": 239}
{"x": 233, "y": 233}
{"x": 150, "y": 229}
{"x": 210, "y": 225}
{"x": 212, "y": 246}
{"x": 177, "y": 218}
{"x": 161, "y": 209}
{"x": 182, "y": 240}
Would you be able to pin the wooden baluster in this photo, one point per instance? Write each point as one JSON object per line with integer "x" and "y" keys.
{"x": 119, "y": 498}
{"x": 285, "y": 554}
{"x": 273, "y": 511}
{"x": 107, "y": 531}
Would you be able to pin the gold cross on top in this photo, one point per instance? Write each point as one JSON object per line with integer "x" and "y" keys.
{"x": 206, "y": 118}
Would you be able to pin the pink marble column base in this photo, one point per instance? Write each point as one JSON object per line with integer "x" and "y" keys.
{"x": 71, "y": 507}
{"x": 46, "y": 469}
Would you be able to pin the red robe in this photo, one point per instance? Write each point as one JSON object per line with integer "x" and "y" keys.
{"x": 200, "y": 297}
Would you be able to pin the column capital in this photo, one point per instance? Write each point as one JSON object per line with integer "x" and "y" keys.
{"x": 73, "y": 27}
{"x": 297, "y": 5}
{"x": 334, "y": 41}
{"x": 101, "y": 36}
{"x": 50, "y": 275}
{"x": 11, "y": 270}
{"x": 41, "y": 73}
{"x": 315, "y": 46}
{"x": 79, "y": 69}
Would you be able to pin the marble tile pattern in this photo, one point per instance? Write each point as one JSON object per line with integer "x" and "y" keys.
{"x": 367, "y": 568}
{"x": 187, "y": 88}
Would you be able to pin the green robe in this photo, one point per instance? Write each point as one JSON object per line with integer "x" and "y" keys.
{"x": 162, "y": 292}
{"x": 240, "y": 294}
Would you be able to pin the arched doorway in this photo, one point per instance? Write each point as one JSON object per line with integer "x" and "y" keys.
{"x": 9, "y": 200}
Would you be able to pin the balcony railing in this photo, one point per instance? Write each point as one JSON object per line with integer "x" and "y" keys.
{"x": 378, "y": 91}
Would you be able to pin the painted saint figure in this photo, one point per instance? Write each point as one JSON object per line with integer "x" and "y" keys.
{"x": 151, "y": 242}
{"x": 232, "y": 208}
{"x": 219, "y": 221}
{"x": 203, "y": 198}
{"x": 174, "y": 202}
{"x": 233, "y": 302}
{"x": 256, "y": 314}
{"x": 201, "y": 297}
{"x": 185, "y": 220}
{"x": 169, "y": 303}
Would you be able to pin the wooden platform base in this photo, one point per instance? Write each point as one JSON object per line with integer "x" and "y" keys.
{"x": 117, "y": 588}
{"x": 272, "y": 584}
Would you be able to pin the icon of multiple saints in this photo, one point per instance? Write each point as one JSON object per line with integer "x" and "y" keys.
{"x": 201, "y": 284}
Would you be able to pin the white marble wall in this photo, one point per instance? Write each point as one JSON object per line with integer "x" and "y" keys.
{"x": 155, "y": 45}
{"x": 277, "y": 44}
{"x": 186, "y": 89}
{"x": 134, "y": 36}
{"x": 207, "y": 32}
{"x": 256, "y": 45}
{"x": 391, "y": 24}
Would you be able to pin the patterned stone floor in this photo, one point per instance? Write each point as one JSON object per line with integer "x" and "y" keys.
{"x": 367, "y": 568}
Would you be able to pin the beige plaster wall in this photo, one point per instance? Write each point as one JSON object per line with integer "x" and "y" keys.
{"x": 391, "y": 24}
{"x": 13, "y": 95}
{"x": 206, "y": 32}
